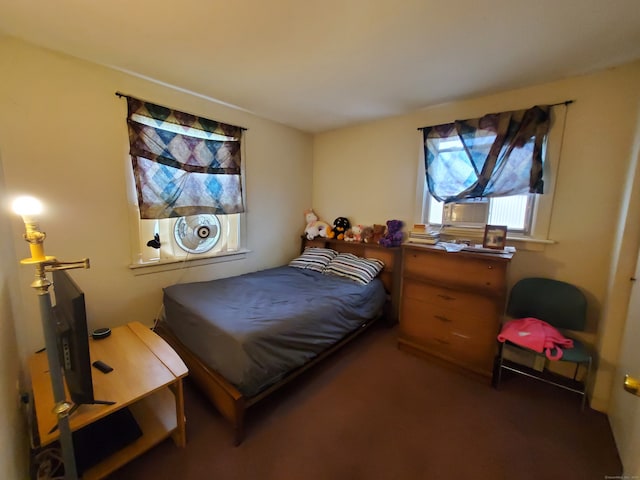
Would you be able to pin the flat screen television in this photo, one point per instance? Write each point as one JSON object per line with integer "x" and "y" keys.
{"x": 72, "y": 337}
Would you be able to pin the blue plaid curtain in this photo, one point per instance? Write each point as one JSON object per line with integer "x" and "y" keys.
{"x": 499, "y": 154}
{"x": 183, "y": 164}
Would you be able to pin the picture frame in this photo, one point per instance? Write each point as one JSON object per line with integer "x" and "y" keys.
{"x": 495, "y": 236}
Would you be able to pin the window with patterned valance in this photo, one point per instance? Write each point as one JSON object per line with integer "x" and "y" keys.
{"x": 499, "y": 154}
{"x": 183, "y": 164}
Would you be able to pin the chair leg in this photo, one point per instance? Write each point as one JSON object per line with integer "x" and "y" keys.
{"x": 498, "y": 373}
{"x": 586, "y": 385}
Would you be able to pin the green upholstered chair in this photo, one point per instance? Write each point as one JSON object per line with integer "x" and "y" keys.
{"x": 561, "y": 305}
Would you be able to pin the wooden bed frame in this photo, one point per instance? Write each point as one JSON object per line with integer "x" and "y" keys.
{"x": 229, "y": 401}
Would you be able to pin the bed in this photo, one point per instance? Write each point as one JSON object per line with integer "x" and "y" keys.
{"x": 244, "y": 337}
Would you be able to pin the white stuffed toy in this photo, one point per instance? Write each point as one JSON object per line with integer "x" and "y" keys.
{"x": 315, "y": 228}
{"x": 354, "y": 234}
{"x": 357, "y": 233}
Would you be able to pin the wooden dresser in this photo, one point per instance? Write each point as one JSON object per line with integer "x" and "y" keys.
{"x": 451, "y": 305}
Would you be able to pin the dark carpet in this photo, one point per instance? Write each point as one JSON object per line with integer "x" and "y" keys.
{"x": 372, "y": 411}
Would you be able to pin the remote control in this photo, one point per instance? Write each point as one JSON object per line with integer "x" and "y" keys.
{"x": 103, "y": 367}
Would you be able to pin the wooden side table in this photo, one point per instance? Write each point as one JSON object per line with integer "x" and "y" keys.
{"x": 147, "y": 377}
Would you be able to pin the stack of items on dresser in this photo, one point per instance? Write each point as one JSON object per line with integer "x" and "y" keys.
{"x": 420, "y": 233}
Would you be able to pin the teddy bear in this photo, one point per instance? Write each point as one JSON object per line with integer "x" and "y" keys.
{"x": 367, "y": 234}
{"x": 353, "y": 234}
{"x": 349, "y": 236}
{"x": 356, "y": 231}
{"x": 393, "y": 237}
{"x": 340, "y": 226}
{"x": 315, "y": 227}
{"x": 378, "y": 233}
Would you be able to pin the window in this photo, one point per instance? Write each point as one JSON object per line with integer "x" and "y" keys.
{"x": 186, "y": 185}
{"x": 482, "y": 175}
{"x": 514, "y": 211}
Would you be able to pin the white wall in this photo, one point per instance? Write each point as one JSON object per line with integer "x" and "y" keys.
{"x": 368, "y": 174}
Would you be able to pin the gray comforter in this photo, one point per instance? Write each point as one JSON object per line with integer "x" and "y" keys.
{"x": 257, "y": 327}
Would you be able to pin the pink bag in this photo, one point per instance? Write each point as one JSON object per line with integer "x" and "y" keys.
{"x": 536, "y": 335}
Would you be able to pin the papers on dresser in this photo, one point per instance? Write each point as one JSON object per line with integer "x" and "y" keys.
{"x": 480, "y": 248}
{"x": 459, "y": 247}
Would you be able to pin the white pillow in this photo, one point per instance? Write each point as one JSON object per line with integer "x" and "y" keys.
{"x": 348, "y": 265}
{"x": 314, "y": 258}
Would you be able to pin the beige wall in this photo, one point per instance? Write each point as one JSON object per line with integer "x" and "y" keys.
{"x": 368, "y": 174}
{"x": 13, "y": 434}
{"x": 63, "y": 138}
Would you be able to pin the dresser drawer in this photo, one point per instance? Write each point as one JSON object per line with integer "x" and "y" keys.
{"x": 420, "y": 322}
{"x": 429, "y": 322}
{"x": 457, "y": 269}
{"x": 463, "y": 302}
{"x": 469, "y": 342}
{"x": 473, "y": 352}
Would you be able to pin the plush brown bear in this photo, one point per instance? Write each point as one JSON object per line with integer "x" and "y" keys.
{"x": 367, "y": 234}
{"x": 378, "y": 233}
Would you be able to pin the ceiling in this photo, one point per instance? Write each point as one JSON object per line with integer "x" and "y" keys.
{"x": 317, "y": 66}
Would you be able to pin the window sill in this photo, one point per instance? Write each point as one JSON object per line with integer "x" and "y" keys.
{"x": 163, "y": 265}
{"x": 475, "y": 235}
{"x": 529, "y": 243}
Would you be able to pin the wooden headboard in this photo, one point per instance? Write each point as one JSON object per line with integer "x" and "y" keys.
{"x": 391, "y": 257}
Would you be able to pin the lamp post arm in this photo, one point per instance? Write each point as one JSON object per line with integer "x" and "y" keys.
{"x": 58, "y": 265}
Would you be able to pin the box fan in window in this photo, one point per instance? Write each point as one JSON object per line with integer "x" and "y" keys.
{"x": 191, "y": 237}
{"x": 196, "y": 234}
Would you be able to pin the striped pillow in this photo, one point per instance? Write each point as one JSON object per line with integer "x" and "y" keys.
{"x": 348, "y": 265}
{"x": 314, "y": 258}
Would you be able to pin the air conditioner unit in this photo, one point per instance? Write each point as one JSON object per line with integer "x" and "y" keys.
{"x": 466, "y": 213}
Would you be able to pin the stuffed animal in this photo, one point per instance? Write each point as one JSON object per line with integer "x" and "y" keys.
{"x": 367, "y": 234}
{"x": 349, "y": 236}
{"x": 356, "y": 231}
{"x": 315, "y": 228}
{"x": 340, "y": 226}
{"x": 393, "y": 237}
{"x": 378, "y": 233}
{"x": 330, "y": 232}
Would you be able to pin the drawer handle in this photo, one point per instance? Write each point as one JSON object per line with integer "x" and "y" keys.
{"x": 466, "y": 337}
{"x": 490, "y": 267}
{"x": 446, "y": 297}
{"x": 442, "y": 319}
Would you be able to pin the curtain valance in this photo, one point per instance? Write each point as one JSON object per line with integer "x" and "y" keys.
{"x": 183, "y": 164}
{"x": 499, "y": 154}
